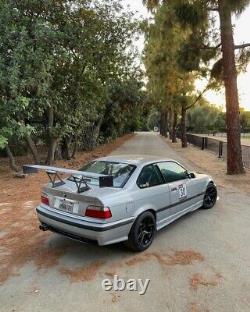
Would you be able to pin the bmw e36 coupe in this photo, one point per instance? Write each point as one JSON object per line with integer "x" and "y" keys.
{"x": 121, "y": 198}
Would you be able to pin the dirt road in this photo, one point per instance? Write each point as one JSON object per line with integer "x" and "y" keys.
{"x": 199, "y": 263}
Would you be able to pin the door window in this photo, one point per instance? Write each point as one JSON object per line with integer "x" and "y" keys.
{"x": 149, "y": 176}
{"x": 172, "y": 171}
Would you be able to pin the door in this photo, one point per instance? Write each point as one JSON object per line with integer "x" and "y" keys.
{"x": 152, "y": 192}
{"x": 180, "y": 186}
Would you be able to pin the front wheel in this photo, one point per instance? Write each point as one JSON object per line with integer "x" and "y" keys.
{"x": 210, "y": 197}
{"x": 142, "y": 232}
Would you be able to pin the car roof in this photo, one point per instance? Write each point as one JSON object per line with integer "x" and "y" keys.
{"x": 134, "y": 159}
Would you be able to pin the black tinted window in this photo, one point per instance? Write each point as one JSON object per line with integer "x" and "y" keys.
{"x": 171, "y": 171}
{"x": 149, "y": 176}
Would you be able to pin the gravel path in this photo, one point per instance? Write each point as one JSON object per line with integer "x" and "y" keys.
{"x": 199, "y": 263}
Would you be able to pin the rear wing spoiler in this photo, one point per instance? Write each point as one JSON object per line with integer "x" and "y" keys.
{"x": 81, "y": 183}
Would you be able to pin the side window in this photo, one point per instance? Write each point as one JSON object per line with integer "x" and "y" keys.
{"x": 171, "y": 171}
{"x": 149, "y": 176}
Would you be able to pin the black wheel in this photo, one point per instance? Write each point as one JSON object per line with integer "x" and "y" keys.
{"x": 210, "y": 197}
{"x": 142, "y": 232}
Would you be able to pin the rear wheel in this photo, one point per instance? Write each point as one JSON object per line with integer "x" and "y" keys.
{"x": 142, "y": 232}
{"x": 210, "y": 197}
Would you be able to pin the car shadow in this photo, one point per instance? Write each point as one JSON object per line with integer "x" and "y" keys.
{"x": 69, "y": 253}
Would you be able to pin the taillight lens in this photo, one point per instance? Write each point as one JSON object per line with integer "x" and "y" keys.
{"x": 98, "y": 212}
{"x": 44, "y": 200}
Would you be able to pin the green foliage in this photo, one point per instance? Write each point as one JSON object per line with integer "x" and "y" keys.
{"x": 206, "y": 119}
{"x": 192, "y": 51}
{"x": 166, "y": 79}
{"x": 245, "y": 121}
{"x": 238, "y": 6}
{"x": 189, "y": 57}
{"x": 123, "y": 108}
{"x": 57, "y": 59}
{"x": 189, "y": 14}
{"x": 153, "y": 119}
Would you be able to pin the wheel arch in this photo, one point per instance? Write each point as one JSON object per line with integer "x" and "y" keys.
{"x": 211, "y": 182}
{"x": 144, "y": 209}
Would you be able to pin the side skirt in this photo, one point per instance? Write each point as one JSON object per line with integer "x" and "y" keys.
{"x": 162, "y": 223}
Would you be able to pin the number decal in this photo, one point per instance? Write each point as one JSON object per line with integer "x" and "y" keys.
{"x": 182, "y": 188}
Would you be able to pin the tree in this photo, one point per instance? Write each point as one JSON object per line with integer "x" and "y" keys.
{"x": 125, "y": 100}
{"x": 57, "y": 61}
{"x": 204, "y": 118}
{"x": 168, "y": 84}
{"x": 195, "y": 14}
{"x": 234, "y": 153}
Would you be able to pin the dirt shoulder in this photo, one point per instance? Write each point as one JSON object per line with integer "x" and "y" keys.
{"x": 29, "y": 188}
{"x": 205, "y": 161}
{"x": 20, "y": 239}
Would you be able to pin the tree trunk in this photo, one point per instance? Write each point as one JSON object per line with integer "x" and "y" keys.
{"x": 74, "y": 148}
{"x": 95, "y": 134}
{"x": 51, "y": 152}
{"x": 170, "y": 124}
{"x": 33, "y": 149}
{"x": 13, "y": 165}
{"x": 65, "y": 149}
{"x": 164, "y": 123}
{"x": 174, "y": 139}
{"x": 52, "y": 140}
{"x": 234, "y": 152}
{"x": 183, "y": 127}
{"x": 161, "y": 123}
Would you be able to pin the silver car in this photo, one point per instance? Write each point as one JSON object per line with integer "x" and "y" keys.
{"x": 121, "y": 198}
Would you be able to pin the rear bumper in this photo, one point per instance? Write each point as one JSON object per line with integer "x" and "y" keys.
{"x": 74, "y": 226}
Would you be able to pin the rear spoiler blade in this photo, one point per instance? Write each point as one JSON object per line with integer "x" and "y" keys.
{"x": 104, "y": 180}
{"x": 28, "y": 169}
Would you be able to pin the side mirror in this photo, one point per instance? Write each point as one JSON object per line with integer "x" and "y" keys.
{"x": 191, "y": 175}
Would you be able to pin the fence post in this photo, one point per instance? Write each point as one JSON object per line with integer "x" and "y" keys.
{"x": 220, "y": 149}
{"x": 206, "y": 142}
{"x": 203, "y": 143}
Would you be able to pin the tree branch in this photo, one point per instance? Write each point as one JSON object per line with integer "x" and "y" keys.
{"x": 199, "y": 96}
{"x": 214, "y": 9}
{"x": 242, "y": 46}
{"x": 205, "y": 47}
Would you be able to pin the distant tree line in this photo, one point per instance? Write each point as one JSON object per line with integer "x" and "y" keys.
{"x": 209, "y": 119}
{"x": 203, "y": 118}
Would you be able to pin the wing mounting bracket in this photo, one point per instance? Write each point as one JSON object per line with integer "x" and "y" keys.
{"x": 54, "y": 176}
{"x": 81, "y": 184}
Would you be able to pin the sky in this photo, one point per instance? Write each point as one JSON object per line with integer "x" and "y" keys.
{"x": 241, "y": 35}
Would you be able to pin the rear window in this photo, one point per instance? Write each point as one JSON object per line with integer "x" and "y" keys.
{"x": 121, "y": 172}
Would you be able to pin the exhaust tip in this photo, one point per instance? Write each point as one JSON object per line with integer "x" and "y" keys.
{"x": 43, "y": 227}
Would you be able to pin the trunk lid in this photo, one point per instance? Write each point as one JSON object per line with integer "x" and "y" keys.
{"x": 66, "y": 198}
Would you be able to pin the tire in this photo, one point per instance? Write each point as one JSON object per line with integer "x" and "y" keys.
{"x": 142, "y": 232}
{"x": 210, "y": 197}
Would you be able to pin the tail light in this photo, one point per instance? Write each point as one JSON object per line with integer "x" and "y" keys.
{"x": 44, "y": 199}
{"x": 98, "y": 212}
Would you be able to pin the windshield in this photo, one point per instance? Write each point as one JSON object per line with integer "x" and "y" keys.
{"x": 120, "y": 171}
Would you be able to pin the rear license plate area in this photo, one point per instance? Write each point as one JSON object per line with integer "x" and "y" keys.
{"x": 66, "y": 205}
